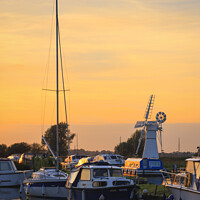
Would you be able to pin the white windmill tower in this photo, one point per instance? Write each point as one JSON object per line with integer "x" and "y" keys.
{"x": 152, "y": 127}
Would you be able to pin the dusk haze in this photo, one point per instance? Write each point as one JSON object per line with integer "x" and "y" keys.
{"x": 116, "y": 53}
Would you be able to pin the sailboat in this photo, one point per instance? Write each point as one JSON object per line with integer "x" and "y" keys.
{"x": 48, "y": 182}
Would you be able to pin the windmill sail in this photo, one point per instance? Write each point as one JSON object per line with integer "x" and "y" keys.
{"x": 147, "y": 116}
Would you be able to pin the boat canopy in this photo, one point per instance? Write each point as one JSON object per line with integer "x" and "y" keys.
{"x": 193, "y": 166}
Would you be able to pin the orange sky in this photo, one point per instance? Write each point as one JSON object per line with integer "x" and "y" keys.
{"x": 116, "y": 53}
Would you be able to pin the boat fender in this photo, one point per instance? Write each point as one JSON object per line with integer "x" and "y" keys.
{"x": 101, "y": 197}
{"x": 83, "y": 194}
{"x": 171, "y": 197}
{"x": 43, "y": 190}
{"x": 21, "y": 188}
{"x": 145, "y": 192}
{"x": 28, "y": 189}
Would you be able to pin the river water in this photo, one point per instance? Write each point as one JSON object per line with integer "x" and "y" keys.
{"x": 13, "y": 193}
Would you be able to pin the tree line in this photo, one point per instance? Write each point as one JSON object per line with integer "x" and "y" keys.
{"x": 36, "y": 148}
{"x": 19, "y": 148}
{"x": 126, "y": 149}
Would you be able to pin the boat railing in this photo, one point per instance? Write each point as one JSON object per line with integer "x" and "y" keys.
{"x": 181, "y": 179}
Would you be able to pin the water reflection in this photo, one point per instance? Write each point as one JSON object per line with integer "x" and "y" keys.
{"x": 35, "y": 198}
{"x": 11, "y": 193}
{"x": 14, "y": 194}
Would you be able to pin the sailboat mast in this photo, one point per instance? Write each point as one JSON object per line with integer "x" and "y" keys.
{"x": 57, "y": 90}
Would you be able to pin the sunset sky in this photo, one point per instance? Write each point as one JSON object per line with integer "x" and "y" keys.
{"x": 116, "y": 54}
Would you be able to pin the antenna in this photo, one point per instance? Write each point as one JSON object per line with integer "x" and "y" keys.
{"x": 147, "y": 116}
{"x": 77, "y": 143}
{"x": 179, "y": 144}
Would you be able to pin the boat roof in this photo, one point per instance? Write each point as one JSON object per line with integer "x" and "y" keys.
{"x": 134, "y": 159}
{"x": 95, "y": 165}
{"x": 5, "y": 159}
{"x": 195, "y": 159}
{"x": 109, "y": 154}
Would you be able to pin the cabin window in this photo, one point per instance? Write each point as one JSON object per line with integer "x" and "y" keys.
{"x": 73, "y": 157}
{"x": 105, "y": 157}
{"x": 116, "y": 173}
{"x": 85, "y": 175}
{"x": 5, "y": 166}
{"x": 99, "y": 184}
{"x": 100, "y": 173}
{"x": 144, "y": 163}
{"x": 113, "y": 157}
{"x": 115, "y": 183}
{"x": 154, "y": 163}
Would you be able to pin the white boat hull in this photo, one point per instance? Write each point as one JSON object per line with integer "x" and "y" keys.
{"x": 46, "y": 188}
{"x": 183, "y": 193}
{"x": 13, "y": 178}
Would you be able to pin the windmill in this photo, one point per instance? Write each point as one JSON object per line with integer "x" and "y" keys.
{"x": 147, "y": 116}
{"x": 151, "y": 127}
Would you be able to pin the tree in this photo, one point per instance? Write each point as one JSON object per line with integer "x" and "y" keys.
{"x": 19, "y": 148}
{"x": 50, "y": 136}
{"x": 3, "y": 150}
{"x": 128, "y": 149}
{"x": 36, "y": 148}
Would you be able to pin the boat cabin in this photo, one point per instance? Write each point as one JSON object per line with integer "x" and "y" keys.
{"x": 72, "y": 160}
{"x": 112, "y": 159}
{"x": 135, "y": 165}
{"x": 7, "y": 166}
{"x": 84, "y": 160}
{"x": 99, "y": 180}
{"x": 193, "y": 167}
{"x": 97, "y": 176}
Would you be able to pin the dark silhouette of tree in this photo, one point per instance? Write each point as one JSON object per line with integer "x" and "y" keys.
{"x": 128, "y": 149}
{"x": 50, "y": 136}
{"x": 19, "y": 148}
{"x": 3, "y": 151}
{"x": 36, "y": 148}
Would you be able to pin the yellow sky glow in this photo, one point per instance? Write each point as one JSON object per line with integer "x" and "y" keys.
{"x": 116, "y": 53}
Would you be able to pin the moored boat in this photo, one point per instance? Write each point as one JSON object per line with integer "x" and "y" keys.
{"x": 112, "y": 159}
{"x": 99, "y": 181}
{"x": 185, "y": 185}
{"x": 9, "y": 175}
{"x": 47, "y": 182}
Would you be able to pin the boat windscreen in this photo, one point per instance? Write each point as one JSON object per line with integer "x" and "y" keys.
{"x": 100, "y": 173}
{"x": 116, "y": 173}
{"x": 5, "y": 166}
{"x": 73, "y": 176}
{"x": 85, "y": 175}
{"x": 113, "y": 157}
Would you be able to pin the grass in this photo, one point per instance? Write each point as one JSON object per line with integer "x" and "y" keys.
{"x": 168, "y": 163}
{"x": 153, "y": 192}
